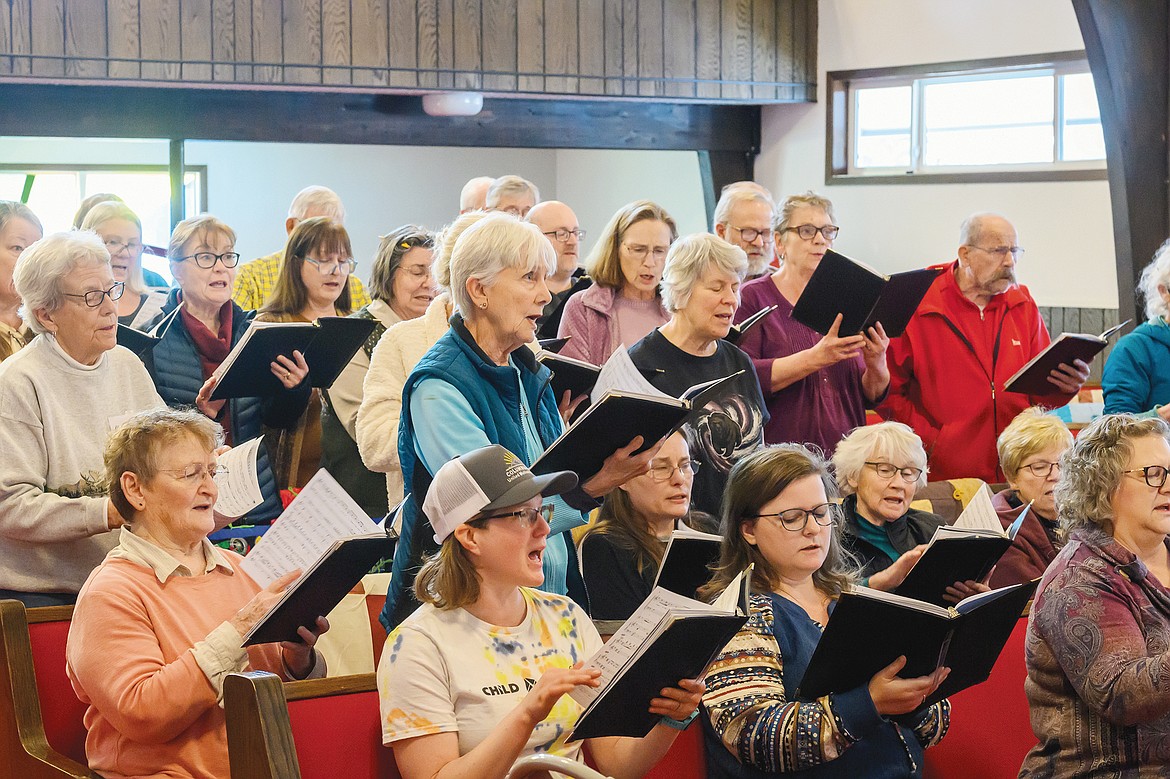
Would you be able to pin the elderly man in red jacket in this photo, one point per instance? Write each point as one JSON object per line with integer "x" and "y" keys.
{"x": 974, "y": 329}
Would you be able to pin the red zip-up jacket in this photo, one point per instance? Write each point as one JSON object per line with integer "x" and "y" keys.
{"x": 948, "y": 370}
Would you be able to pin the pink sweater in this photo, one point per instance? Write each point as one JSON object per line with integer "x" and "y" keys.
{"x": 152, "y": 710}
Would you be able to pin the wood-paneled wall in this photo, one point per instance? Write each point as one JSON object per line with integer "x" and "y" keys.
{"x": 749, "y": 51}
{"x": 1086, "y": 320}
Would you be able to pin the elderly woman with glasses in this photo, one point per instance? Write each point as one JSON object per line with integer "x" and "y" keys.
{"x": 624, "y": 303}
{"x": 480, "y": 384}
{"x": 700, "y": 289}
{"x": 1030, "y": 449}
{"x": 403, "y": 286}
{"x": 160, "y": 623}
{"x": 817, "y": 386}
{"x": 1098, "y": 644}
{"x": 313, "y": 283}
{"x": 59, "y": 398}
{"x": 779, "y": 516}
{"x": 879, "y": 468}
{"x": 621, "y": 552}
{"x": 199, "y": 336}
{"x": 121, "y": 231}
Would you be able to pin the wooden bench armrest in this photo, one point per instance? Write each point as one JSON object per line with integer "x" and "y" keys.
{"x": 260, "y": 744}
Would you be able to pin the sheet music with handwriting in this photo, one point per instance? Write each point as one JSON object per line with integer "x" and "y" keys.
{"x": 239, "y": 488}
{"x": 320, "y": 514}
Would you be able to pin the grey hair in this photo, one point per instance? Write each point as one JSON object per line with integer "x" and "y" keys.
{"x": 972, "y": 227}
{"x": 43, "y": 265}
{"x": 445, "y": 245}
{"x": 893, "y": 440}
{"x": 494, "y": 243}
{"x": 10, "y": 209}
{"x": 510, "y": 185}
{"x": 1154, "y": 275}
{"x": 389, "y": 257}
{"x": 467, "y": 195}
{"x": 1092, "y": 470}
{"x": 689, "y": 258}
{"x": 323, "y": 201}
{"x": 792, "y": 202}
{"x": 734, "y": 195}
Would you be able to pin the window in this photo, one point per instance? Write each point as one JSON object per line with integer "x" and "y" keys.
{"x": 56, "y": 192}
{"x": 999, "y": 120}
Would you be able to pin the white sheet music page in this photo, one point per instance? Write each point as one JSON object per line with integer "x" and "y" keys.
{"x": 319, "y": 515}
{"x": 619, "y": 374}
{"x": 979, "y": 513}
{"x": 239, "y": 488}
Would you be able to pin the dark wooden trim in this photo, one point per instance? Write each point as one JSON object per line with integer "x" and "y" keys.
{"x": 975, "y": 177}
{"x": 39, "y": 614}
{"x": 362, "y": 118}
{"x": 720, "y": 168}
{"x": 332, "y": 685}
{"x": 990, "y": 65}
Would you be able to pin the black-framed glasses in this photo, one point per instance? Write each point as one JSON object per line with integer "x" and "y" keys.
{"x": 1000, "y": 251}
{"x": 563, "y": 236}
{"x": 749, "y": 234}
{"x": 93, "y": 298}
{"x": 1041, "y": 469}
{"x": 1155, "y": 475}
{"x": 331, "y": 267}
{"x": 664, "y": 471}
{"x": 207, "y": 260}
{"x": 889, "y": 470}
{"x": 193, "y": 474}
{"x": 117, "y": 247}
{"x": 809, "y": 231}
{"x": 795, "y": 520}
{"x": 525, "y": 517}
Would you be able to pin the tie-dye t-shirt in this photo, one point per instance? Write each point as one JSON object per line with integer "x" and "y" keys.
{"x": 446, "y": 671}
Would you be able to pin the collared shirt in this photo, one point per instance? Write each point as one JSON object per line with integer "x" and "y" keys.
{"x": 139, "y": 550}
{"x": 12, "y": 340}
{"x": 257, "y": 279}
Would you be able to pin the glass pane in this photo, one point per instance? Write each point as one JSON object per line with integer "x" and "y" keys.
{"x": 1080, "y": 98}
{"x": 1081, "y": 134}
{"x": 1083, "y": 142}
{"x": 989, "y": 121}
{"x": 54, "y": 199}
{"x": 882, "y": 122}
{"x": 149, "y": 196}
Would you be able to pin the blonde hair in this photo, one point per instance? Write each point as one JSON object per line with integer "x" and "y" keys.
{"x": 792, "y": 202}
{"x": 448, "y": 579}
{"x": 893, "y": 440}
{"x": 197, "y": 226}
{"x": 115, "y": 209}
{"x": 1030, "y": 432}
{"x": 604, "y": 263}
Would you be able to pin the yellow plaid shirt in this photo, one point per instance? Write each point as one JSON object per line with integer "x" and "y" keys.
{"x": 256, "y": 280}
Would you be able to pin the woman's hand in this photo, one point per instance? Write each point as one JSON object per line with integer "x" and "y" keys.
{"x": 261, "y": 603}
{"x": 291, "y": 372}
{"x": 959, "y": 590}
{"x": 680, "y": 702}
{"x": 549, "y": 688}
{"x": 893, "y": 695}
{"x": 832, "y": 349}
{"x": 876, "y": 344}
{"x": 208, "y": 407}
{"x": 299, "y": 655}
{"x": 568, "y": 405}
{"x": 894, "y": 575}
{"x": 620, "y": 467}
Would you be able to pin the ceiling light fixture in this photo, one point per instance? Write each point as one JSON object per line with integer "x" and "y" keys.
{"x": 452, "y": 103}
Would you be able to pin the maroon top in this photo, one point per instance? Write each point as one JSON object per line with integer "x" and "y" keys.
{"x": 1031, "y": 552}
{"x": 822, "y": 407}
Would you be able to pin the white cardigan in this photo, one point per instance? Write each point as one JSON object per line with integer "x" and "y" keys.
{"x": 398, "y": 351}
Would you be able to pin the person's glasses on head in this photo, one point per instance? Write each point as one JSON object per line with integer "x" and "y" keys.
{"x": 1041, "y": 469}
{"x": 750, "y": 234}
{"x": 889, "y": 470}
{"x": 809, "y": 231}
{"x": 664, "y": 471}
{"x": 1154, "y": 475}
{"x": 640, "y": 252}
{"x": 525, "y": 518}
{"x": 331, "y": 267}
{"x": 193, "y": 474}
{"x": 207, "y": 260}
{"x": 115, "y": 247}
{"x": 563, "y": 236}
{"x": 1000, "y": 251}
{"x": 796, "y": 519}
{"x": 93, "y": 298}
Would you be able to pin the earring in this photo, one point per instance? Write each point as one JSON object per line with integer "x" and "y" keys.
{"x": 483, "y": 304}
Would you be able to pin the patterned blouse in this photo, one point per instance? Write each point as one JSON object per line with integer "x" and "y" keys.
{"x": 1098, "y": 657}
{"x": 765, "y": 730}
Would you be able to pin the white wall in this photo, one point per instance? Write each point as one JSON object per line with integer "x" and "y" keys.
{"x": 1066, "y": 227}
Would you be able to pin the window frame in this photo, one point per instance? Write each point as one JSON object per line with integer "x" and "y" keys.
{"x": 839, "y": 121}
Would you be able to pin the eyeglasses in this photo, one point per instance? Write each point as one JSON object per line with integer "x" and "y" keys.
{"x": 664, "y": 471}
{"x": 93, "y": 298}
{"x": 193, "y": 474}
{"x": 808, "y": 232}
{"x": 888, "y": 470}
{"x": 640, "y": 252}
{"x": 796, "y": 519}
{"x": 1155, "y": 475}
{"x": 749, "y": 234}
{"x": 1041, "y": 469}
{"x": 563, "y": 236}
{"x": 117, "y": 247}
{"x": 207, "y": 260}
{"x": 525, "y": 517}
{"x": 331, "y": 267}
{"x": 1001, "y": 251}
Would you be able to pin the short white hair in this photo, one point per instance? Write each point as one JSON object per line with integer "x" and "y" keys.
{"x": 734, "y": 195}
{"x": 689, "y": 258}
{"x": 474, "y": 191}
{"x": 894, "y": 441}
{"x": 1156, "y": 274}
{"x": 972, "y": 227}
{"x": 321, "y": 201}
{"x": 493, "y": 244}
{"x": 511, "y": 185}
{"x": 42, "y": 266}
